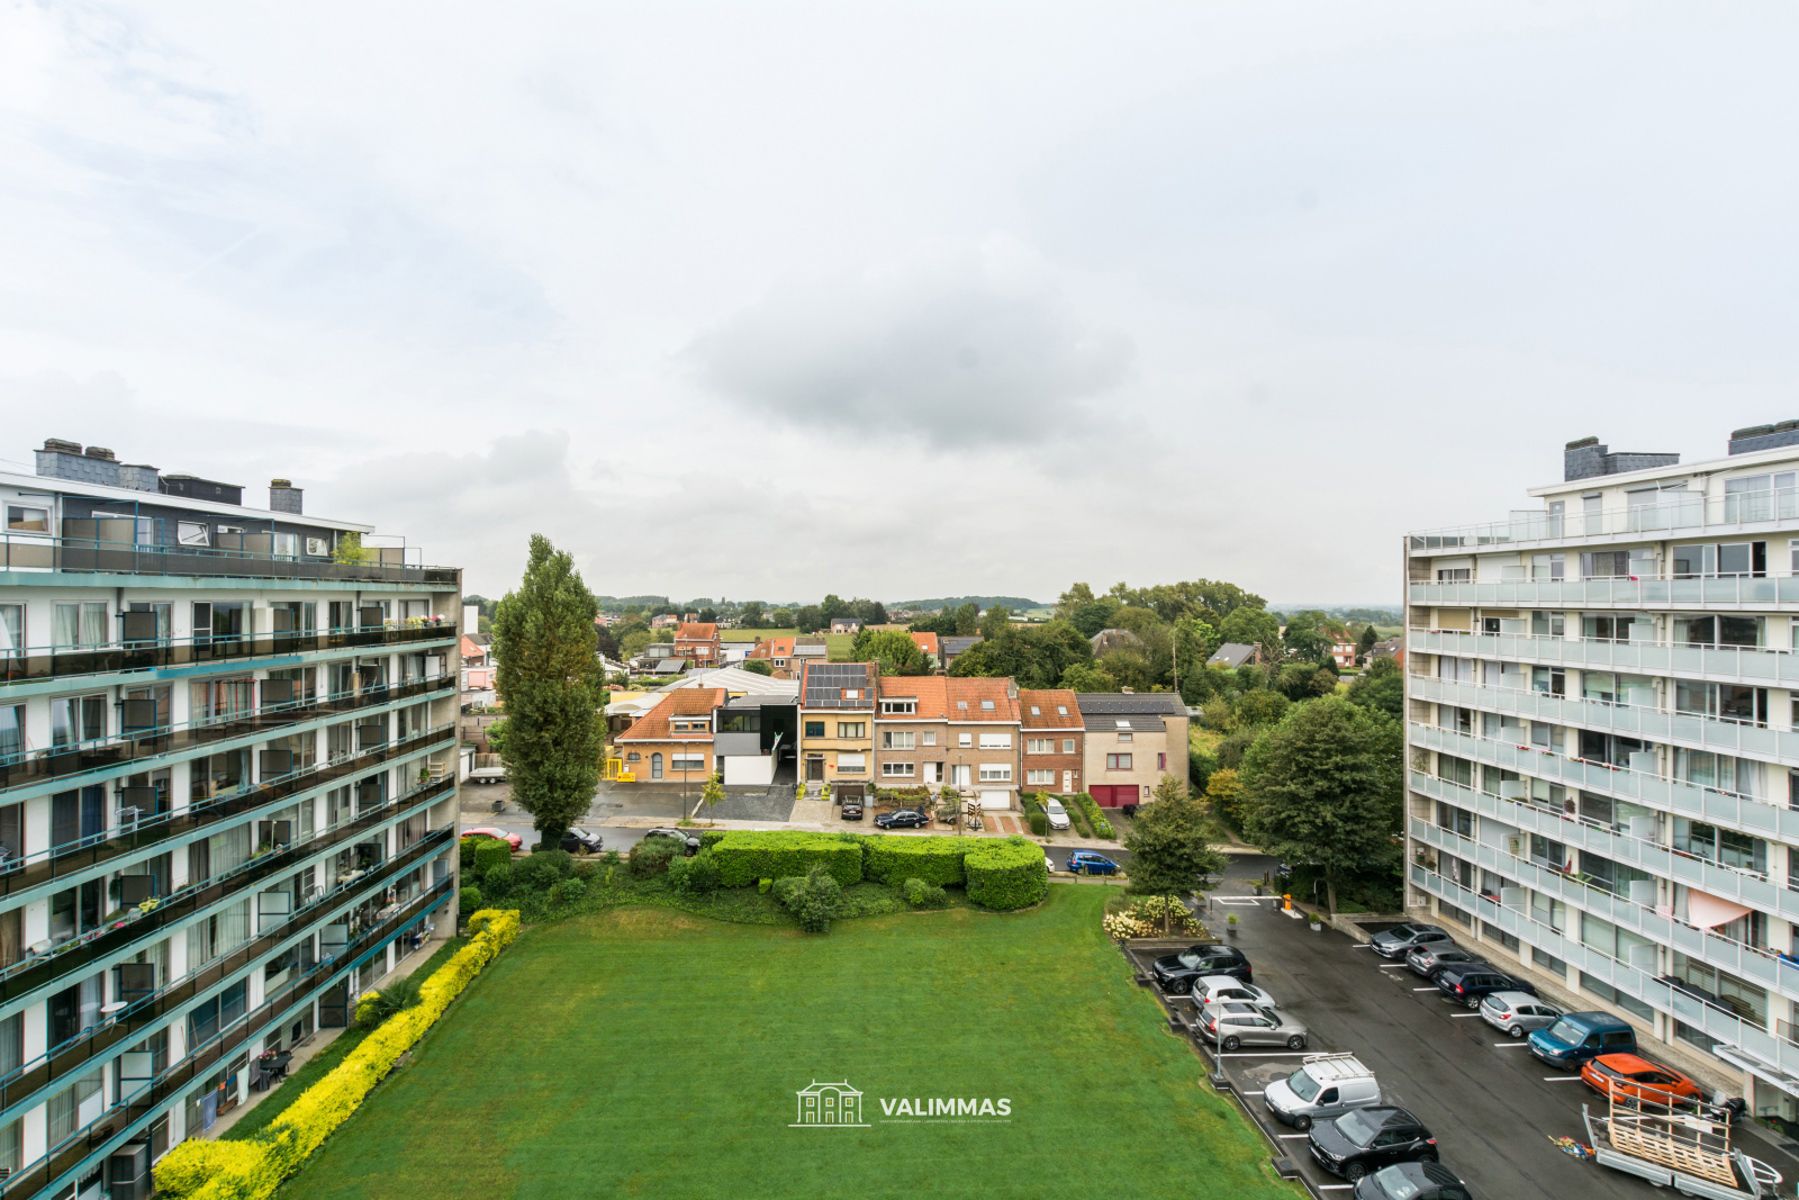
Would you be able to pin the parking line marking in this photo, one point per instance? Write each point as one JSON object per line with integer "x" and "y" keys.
{"x": 1392, "y": 966}
{"x": 1362, "y": 946}
{"x": 1430, "y": 987}
{"x": 1234, "y": 1054}
{"x": 1517, "y": 1045}
{"x": 1335, "y": 1187}
{"x": 1462, "y": 1016}
{"x": 1287, "y": 1137}
{"x": 1257, "y": 1092}
{"x": 1563, "y": 1079}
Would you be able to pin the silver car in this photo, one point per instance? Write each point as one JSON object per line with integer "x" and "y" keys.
{"x": 1237, "y": 1024}
{"x": 1426, "y": 961}
{"x": 1518, "y": 1013}
{"x": 1397, "y": 941}
{"x": 1211, "y": 989}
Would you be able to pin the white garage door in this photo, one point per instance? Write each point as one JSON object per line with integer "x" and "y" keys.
{"x": 996, "y": 798}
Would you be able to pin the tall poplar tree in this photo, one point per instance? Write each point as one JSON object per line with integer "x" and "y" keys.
{"x": 552, "y": 689}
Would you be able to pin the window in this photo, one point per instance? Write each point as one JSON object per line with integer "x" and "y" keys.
{"x": 965, "y": 740}
{"x": 1721, "y": 558}
{"x": 893, "y": 739}
{"x": 996, "y": 772}
{"x": 852, "y": 762}
{"x": 815, "y": 728}
{"x": 1455, "y": 574}
{"x": 80, "y": 625}
{"x": 687, "y": 762}
{"x": 12, "y": 730}
{"x": 1547, "y": 624}
{"x": 1035, "y": 711}
{"x": 285, "y": 545}
{"x": 930, "y": 738}
{"x": 1039, "y": 746}
{"x": 1068, "y": 745}
{"x": 1118, "y": 762}
{"x": 27, "y": 518}
{"x": 852, "y": 729}
{"x": 192, "y": 533}
{"x": 12, "y": 630}
{"x": 1124, "y": 736}
{"x": 1161, "y": 760}
{"x": 74, "y": 1107}
{"x": 900, "y": 770}
{"x": 76, "y": 719}
{"x": 1606, "y": 628}
{"x": 899, "y": 707}
{"x": 1040, "y": 778}
{"x": 996, "y": 741}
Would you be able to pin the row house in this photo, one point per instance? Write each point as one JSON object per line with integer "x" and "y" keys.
{"x": 787, "y": 655}
{"x": 836, "y": 718}
{"x": 1054, "y": 740}
{"x": 936, "y": 731}
{"x": 1133, "y": 741}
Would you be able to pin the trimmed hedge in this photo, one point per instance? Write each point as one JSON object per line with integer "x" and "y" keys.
{"x": 745, "y": 856}
{"x": 491, "y": 853}
{"x": 1034, "y": 813}
{"x": 893, "y": 860}
{"x": 712, "y": 837}
{"x": 1006, "y": 875}
{"x": 1101, "y": 827}
{"x": 253, "y": 1168}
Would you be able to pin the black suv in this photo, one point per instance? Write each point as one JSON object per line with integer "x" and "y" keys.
{"x": 1364, "y": 1140}
{"x": 1469, "y": 982}
{"x": 850, "y": 808}
{"x": 1412, "y": 1181}
{"x": 1175, "y": 973}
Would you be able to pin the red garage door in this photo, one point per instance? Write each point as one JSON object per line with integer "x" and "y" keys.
{"x": 1109, "y": 795}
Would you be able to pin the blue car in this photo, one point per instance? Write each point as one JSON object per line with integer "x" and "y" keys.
{"x": 1091, "y": 862}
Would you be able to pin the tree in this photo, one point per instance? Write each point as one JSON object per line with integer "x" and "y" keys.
{"x": 1170, "y": 853}
{"x": 1253, "y": 627}
{"x": 711, "y": 792}
{"x": 895, "y": 652}
{"x": 1224, "y": 792}
{"x": 1308, "y": 635}
{"x": 997, "y": 620}
{"x": 632, "y": 644}
{"x": 832, "y": 607}
{"x": 1085, "y": 677}
{"x": 758, "y": 666}
{"x": 1322, "y": 788}
{"x": 708, "y": 615}
{"x": 1380, "y": 687}
{"x": 1365, "y": 643}
{"x": 350, "y": 551}
{"x": 1259, "y": 708}
{"x": 810, "y": 619}
{"x": 750, "y": 615}
{"x": 1092, "y": 616}
{"x": 549, "y": 681}
{"x": 1295, "y": 680}
{"x": 605, "y": 643}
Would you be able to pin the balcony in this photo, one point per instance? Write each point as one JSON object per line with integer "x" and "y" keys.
{"x": 1675, "y": 514}
{"x": 1695, "y": 801}
{"x": 1717, "y": 1022}
{"x": 1725, "y": 664}
{"x": 1735, "y": 738}
{"x": 122, "y": 749}
{"x": 1750, "y": 963}
{"x": 118, "y": 1123}
{"x": 76, "y": 554}
{"x": 1696, "y": 593}
{"x": 62, "y": 662}
{"x": 30, "y": 974}
{"x": 1746, "y": 887}
{"x": 72, "y": 860}
{"x": 145, "y": 1014}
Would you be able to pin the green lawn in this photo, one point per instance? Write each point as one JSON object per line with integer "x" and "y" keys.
{"x": 837, "y": 645}
{"x": 644, "y": 1052}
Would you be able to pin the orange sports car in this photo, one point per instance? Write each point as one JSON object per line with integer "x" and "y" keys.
{"x": 1626, "y": 1076}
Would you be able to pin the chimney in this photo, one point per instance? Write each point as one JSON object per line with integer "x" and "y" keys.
{"x": 1588, "y": 458}
{"x": 1764, "y": 437}
{"x": 284, "y": 496}
{"x": 101, "y": 453}
{"x": 63, "y": 459}
{"x": 140, "y": 477}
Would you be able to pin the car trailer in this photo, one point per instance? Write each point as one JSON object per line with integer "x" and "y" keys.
{"x": 1685, "y": 1146}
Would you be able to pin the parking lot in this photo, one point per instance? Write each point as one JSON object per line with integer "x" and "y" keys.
{"x": 1492, "y": 1106}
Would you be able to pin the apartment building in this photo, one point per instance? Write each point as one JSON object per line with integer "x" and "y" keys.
{"x": 227, "y": 800}
{"x": 937, "y": 731}
{"x": 1602, "y": 744}
{"x": 836, "y": 718}
{"x": 1054, "y": 736}
{"x": 1131, "y": 742}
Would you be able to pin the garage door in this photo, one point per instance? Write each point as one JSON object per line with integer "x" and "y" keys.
{"x": 996, "y": 798}
{"x": 1111, "y": 795}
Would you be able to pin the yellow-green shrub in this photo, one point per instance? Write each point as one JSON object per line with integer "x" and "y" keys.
{"x": 253, "y": 1169}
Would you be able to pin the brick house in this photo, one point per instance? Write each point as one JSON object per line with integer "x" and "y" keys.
{"x": 673, "y": 742}
{"x": 1054, "y": 734}
{"x": 932, "y": 730}
{"x": 698, "y": 642}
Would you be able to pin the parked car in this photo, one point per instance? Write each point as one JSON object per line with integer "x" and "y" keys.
{"x": 1361, "y": 1142}
{"x": 1398, "y": 941}
{"x": 690, "y": 841}
{"x": 1234, "y": 1024}
{"x": 1049, "y": 864}
{"x": 1325, "y": 1086}
{"x": 1058, "y": 816}
{"x": 1630, "y": 1077}
{"x": 1213, "y": 989}
{"x": 580, "y": 841}
{"x": 1177, "y": 973}
{"x": 511, "y": 839}
{"x": 850, "y": 808}
{"x": 1413, "y": 1181}
{"x": 1468, "y": 982}
{"x": 1518, "y": 1013}
{"x": 903, "y": 818}
{"x": 1091, "y": 862}
{"x": 1432, "y": 957}
{"x": 1579, "y": 1036}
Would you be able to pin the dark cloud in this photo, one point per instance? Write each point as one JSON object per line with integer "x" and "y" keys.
{"x": 970, "y": 352}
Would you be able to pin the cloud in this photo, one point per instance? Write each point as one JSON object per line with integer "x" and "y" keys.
{"x": 975, "y": 349}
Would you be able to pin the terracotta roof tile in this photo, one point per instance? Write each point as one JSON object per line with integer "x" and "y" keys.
{"x": 688, "y": 702}
{"x": 931, "y": 692}
{"x": 1056, "y": 709}
{"x": 927, "y": 642}
{"x": 977, "y": 699}
{"x": 697, "y": 631}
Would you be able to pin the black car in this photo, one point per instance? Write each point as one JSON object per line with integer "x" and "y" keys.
{"x": 1175, "y": 973}
{"x": 850, "y": 808}
{"x": 1413, "y": 1181}
{"x": 905, "y": 818}
{"x": 579, "y": 841}
{"x": 1469, "y": 982}
{"x": 1364, "y": 1140}
{"x": 689, "y": 842}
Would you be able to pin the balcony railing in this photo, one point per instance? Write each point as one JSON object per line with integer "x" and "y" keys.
{"x": 1745, "y": 664}
{"x": 1674, "y": 513}
{"x": 1696, "y": 592}
{"x": 1699, "y": 730}
{"x": 28, "y": 766}
{"x": 114, "y": 1125}
{"x": 30, "y": 974}
{"x": 71, "y": 859}
{"x": 42, "y": 552}
{"x": 53, "y": 662}
{"x": 73, "y": 1055}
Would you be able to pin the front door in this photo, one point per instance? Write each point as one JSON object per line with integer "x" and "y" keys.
{"x": 1068, "y": 783}
{"x": 815, "y": 770}
{"x": 933, "y": 772}
{"x": 964, "y": 775}
{"x": 655, "y": 766}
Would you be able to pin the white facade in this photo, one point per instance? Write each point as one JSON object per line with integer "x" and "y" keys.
{"x": 1603, "y": 753}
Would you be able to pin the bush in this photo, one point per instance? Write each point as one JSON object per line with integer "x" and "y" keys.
{"x": 745, "y": 856}
{"x": 491, "y": 853}
{"x": 470, "y": 900}
{"x": 893, "y": 860}
{"x": 1089, "y": 807}
{"x": 1006, "y": 875}
{"x": 696, "y": 876}
{"x": 920, "y": 894}
{"x": 372, "y": 1008}
{"x": 814, "y": 899}
{"x": 762, "y": 885}
{"x": 712, "y": 837}
{"x": 652, "y": 855}
{"x": 497, "y": 883}
{"x": 542, "y": 869}
{"x": 565, "y": 892}
{"x": 1034, "y": 814}
{"x": 586, "y": 869}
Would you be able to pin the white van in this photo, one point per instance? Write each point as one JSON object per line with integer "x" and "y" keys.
{"x": 1326, "y": 1085}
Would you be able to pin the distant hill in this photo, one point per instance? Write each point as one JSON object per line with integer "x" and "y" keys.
{"x": 1014, "y": 603}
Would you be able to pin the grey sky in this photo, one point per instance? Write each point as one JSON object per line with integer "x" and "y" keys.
{"x": 898, "y": 300}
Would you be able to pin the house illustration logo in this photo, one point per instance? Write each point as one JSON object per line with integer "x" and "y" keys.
{"x": 829, "y": 1106}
